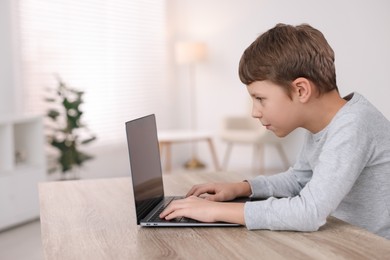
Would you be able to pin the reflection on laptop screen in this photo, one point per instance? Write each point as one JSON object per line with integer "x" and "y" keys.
{"x": 145, "y": 163}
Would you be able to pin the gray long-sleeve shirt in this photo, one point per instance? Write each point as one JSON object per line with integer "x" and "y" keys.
{"x": 343, "y": 171}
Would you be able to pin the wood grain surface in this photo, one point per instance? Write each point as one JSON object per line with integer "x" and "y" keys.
{"x": 95, "y": 219}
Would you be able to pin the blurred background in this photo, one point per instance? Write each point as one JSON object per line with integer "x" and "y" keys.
{"x": 124, "y": 56}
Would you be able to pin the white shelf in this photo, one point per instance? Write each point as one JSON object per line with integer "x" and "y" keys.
{"x": 22, "y": 166}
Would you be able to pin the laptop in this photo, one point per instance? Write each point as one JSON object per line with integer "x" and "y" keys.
{"x": 146, "y": 174}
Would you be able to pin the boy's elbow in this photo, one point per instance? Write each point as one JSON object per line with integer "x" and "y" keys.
{"x": 311, "y": 228}
{"x": 310, "y": 219}
{"x": 302, "y": 224}
{"x": 307, "y": 219}
{"x": 311, "y": 223}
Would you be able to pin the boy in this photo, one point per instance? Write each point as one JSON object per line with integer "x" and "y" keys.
{"x": 343, "y": 168}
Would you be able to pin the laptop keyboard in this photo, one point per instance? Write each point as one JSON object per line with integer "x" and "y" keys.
{"x": 156, "y": 216}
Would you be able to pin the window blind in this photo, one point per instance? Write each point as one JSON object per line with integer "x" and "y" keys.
{"x": 113, "y": 50}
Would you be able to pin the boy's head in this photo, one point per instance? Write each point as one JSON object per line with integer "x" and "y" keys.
{"x": 285, "y": 53}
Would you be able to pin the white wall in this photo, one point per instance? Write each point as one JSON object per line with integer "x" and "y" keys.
{"x": 358, "y": 31}
{"x": 7, "y": 84}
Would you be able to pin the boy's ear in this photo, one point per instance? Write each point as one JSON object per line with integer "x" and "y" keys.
{"x": 302, "y": 89}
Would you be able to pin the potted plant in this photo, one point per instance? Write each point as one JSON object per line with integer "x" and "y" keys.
{"x": 65, "y": 130}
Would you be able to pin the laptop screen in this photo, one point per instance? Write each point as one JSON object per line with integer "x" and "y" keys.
{"x": 145, "y": 164}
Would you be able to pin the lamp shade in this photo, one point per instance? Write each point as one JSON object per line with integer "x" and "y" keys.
{"x": 190, "y": 52}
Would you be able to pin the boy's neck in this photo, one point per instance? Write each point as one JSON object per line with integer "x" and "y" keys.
{"x": 322, "y": 110}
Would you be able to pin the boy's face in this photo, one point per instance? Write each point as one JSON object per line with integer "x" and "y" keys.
{"x": 273, "y": 107}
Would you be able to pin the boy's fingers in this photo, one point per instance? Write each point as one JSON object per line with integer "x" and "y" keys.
{"x": 173, "y": 215}
{"x": 210, "y": 198}
{"x": 172, "y": 208}
{"x": 214, "y": 197}
{"x": 172, "y": 212}
{"x": 168, "y": 210}
{"x": 200, "y": 189}
{"x": 164, "y": 213}
{"x": 194, "y": 190}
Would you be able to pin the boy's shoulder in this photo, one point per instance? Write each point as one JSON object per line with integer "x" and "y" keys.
{"x": 358, "y": 121}
{"x": 359, "y": 107}
{"x": 360, "y": 113}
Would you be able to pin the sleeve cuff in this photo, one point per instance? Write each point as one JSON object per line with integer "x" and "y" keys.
{"x": 260, "y": 187}
{"x": 255, "y": 215}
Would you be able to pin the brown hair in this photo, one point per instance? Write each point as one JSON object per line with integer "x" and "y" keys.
{"x": 287, "y": 52}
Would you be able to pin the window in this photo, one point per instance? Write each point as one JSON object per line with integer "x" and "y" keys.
{"x": 113, "y": 50}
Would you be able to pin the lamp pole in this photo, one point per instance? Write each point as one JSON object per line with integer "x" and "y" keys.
{"x": 194, "y": 162}
{"x": 189, "y": 53}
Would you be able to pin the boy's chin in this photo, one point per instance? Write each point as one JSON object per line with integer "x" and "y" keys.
{"x": 280, "y": 134}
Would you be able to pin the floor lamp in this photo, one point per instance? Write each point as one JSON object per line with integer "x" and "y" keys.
{"x": 190, "y": 53}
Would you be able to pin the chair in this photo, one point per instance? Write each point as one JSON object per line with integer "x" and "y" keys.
{"x": 248, "y": 131}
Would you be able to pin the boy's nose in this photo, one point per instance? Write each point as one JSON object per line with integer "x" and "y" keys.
{"x": 256, "y": 113}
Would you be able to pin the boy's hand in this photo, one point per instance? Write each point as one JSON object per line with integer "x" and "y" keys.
{"x": 205, "y": 210}
{"x": 191, "y": 207}
{"x": 221, "y": 191}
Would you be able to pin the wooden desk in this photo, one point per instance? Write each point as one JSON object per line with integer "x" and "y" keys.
{"x": 95, "y": 219}
{"x": 167, "y": 138}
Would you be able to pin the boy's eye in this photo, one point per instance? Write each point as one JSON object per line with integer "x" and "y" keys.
{"x": 259, "y": 98}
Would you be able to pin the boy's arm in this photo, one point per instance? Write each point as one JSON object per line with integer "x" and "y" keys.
{"x": 231, "y": 213}
{"x": 335, "y": 169}
{"x": 221, "y": 191}
{"x": 285, "y": 184}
